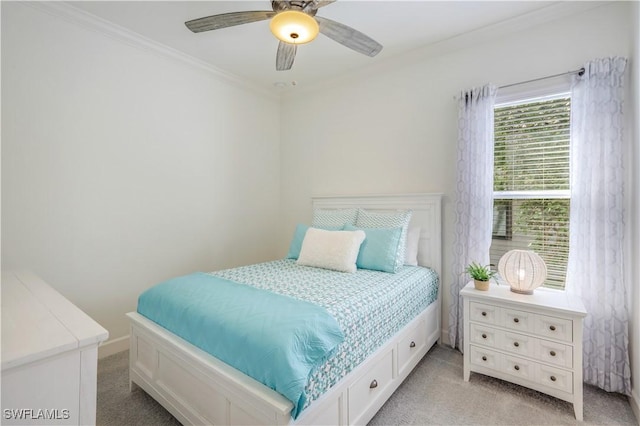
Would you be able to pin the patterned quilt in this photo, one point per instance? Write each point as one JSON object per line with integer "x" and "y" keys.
{"x": 369, "y": 306}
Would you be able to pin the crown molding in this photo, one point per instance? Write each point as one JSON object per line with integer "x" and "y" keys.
{"x": 79, "y": 17}
{"x": 472, "y": 38}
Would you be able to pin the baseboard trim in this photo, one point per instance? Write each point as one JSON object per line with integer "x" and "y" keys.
{"x": 634, "y": 400}
{"x": 114, "y": 346}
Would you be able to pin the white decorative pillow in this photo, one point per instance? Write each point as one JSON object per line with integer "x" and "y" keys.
{"x": 396, "y": 219}
{"x": 336, "y": 250}
{"x": 333, "y": 218}
{"x": 413, "y": 240}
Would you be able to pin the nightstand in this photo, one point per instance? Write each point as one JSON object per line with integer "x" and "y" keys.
{"x": 531, "y": 340}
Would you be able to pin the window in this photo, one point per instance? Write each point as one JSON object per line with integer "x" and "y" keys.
{"x": 531, "y": 181}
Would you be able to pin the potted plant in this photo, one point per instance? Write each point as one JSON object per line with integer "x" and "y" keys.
{"x": 480, "y": 274}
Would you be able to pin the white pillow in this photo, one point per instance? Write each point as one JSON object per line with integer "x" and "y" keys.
{"x": 335, "y": 250}
{"x": 413, "y": 240}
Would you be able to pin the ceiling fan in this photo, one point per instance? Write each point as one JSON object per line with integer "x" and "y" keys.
{"x": 293, "y": 23}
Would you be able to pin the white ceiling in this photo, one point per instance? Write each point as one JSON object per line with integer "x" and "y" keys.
{"x": 248, "y": 51}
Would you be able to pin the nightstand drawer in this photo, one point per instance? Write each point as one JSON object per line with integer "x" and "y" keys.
{"x": 485, "y": 358}
{"x": 555, "y": 353}
{"x": 484, "y": 313}
{"x": 554, "y": 328}
{"x": 484, "y": 335}
{"x": 555, "y": 378}
{"x": 518, "y": 320}
{"x": 519, "y": 344}
{"x": 519, "y": 367}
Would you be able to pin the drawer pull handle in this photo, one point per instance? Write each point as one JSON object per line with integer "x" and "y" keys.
{"x": 484, "y": 314}
{"x": 553, "y": 378}
{"x": 552, "y": 327}
{"x": 484, "y": 358}
{"x": 516, "y": 367}
{"x": 412, "y": 344}
{"x": 484, "y": 336}
{"x": 516, "y": 344}
{"x": 516, "y": 320}
{"x": 552, "y": 353}
{"x": 373, "y": 385}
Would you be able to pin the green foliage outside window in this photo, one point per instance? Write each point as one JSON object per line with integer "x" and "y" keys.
{"x": 531, "y": 153}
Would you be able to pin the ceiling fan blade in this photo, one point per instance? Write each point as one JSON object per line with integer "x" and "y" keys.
{"x": 285, "y": 56}
{"x": 316, "y": 4}
{"x": 225, "y": 20}
{"x": 349, "y": 37}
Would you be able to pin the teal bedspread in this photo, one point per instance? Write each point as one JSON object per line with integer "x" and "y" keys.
{"x": 370, "y": 306}
{"x": 276, "y": 339}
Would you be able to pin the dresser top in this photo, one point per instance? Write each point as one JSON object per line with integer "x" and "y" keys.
{"x": 38, "y": 322}
{"x": 553, "y": 300}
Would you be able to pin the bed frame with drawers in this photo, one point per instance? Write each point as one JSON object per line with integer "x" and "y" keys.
{"x": 197, "y": 388}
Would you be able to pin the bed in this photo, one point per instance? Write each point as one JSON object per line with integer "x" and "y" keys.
{"x": 198, "y": 388}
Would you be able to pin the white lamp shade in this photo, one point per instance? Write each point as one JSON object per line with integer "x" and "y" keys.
{"x": 295, "y": 27}
{"x": 524, "y": 270}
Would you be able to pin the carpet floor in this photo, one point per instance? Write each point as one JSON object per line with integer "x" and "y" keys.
{"x": 433, "y": 394}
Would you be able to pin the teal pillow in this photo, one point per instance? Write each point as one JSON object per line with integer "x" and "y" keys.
{"x": 400, "y": 218}
{"x": 380, "y": 248}
{"x": 296, "y": 242}
{"x": 298, "y": 238}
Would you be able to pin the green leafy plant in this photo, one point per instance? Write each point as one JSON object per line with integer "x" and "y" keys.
{"x": 479, "y": 272}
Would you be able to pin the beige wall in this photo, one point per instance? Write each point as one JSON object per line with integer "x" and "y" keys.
{"x": 122, "y": 167}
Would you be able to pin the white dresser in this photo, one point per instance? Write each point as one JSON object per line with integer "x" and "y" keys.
{"x": 49, "y": 355}
{"x": 531, "y": 340}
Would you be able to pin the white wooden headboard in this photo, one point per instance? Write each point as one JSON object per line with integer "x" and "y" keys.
{"x": 427, "y": 214}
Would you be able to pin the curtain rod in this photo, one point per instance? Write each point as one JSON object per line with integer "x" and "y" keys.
{"x": 579, "y": 72}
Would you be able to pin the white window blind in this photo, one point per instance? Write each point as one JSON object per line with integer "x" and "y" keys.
{"x": 531, "y": 181}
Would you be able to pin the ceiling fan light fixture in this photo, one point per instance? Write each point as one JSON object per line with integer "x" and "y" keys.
{"x": 295, "y": 27}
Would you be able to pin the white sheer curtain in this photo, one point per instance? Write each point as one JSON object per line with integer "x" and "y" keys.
{"x": 474, "y": 195}
{"x": 596, "y": 243}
